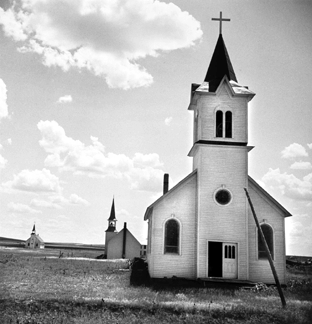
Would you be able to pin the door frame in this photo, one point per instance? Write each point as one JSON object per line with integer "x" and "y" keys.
{"x": 222, "y": 242}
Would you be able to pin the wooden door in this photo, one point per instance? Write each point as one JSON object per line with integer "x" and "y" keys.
{"x": 229, "y": 257}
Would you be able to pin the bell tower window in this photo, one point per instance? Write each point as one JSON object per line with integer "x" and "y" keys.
{"x": 224, "y": 124}
{"x": 219, "y": 123}
{"x": 228, "y": 124}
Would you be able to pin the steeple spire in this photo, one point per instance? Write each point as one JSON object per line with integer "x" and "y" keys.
{"x": 112, "y": 219}
{"x": 112, "y": 213}
{"x": 220, "y": 65}
{"x": 33, "y": 230}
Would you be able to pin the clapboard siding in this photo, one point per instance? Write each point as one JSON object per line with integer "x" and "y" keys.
{"x": 216, "y": 165}
{"x": 207, "y": 106}
{"x": 222, "y": 166}
{"x": 179, "y": 205}
{"x": 115, "y": 246}
{"x": 268, "y": 213}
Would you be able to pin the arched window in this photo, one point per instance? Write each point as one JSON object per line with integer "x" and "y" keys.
{"x": 268, "y": 234}
{"x": 172, "y": 236}
{"x": 219, "y": 123}
{"x": 228, "y": 124}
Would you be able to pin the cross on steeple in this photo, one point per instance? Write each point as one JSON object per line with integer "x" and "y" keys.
{"x": 221, "y": 19}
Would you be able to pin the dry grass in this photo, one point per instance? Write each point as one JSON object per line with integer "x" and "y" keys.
{"x": 39, "y": 287}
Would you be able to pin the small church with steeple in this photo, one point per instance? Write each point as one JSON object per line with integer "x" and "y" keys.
{"x": 35, "y": 241}
{"x": 120, "y": 245}
{"x": 203, "y": 226}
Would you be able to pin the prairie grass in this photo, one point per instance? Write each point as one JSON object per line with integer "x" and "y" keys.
{"x": 39, "y": 287}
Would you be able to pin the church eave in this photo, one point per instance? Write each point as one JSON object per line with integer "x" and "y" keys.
{"x": 234, "y": 90}
{"x": 217, "y": 143}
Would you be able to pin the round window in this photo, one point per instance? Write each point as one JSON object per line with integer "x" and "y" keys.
{"x": 223, "y": 197}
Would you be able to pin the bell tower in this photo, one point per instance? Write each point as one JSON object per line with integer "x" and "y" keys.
{"x": 111, "y": 230}
{"x": 219, "y": 152}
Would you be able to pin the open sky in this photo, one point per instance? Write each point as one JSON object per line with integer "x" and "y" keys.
{"x": 93, "y": 105}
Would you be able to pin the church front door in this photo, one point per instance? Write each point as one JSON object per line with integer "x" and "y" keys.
{"x": 229, "y": 257}
{"x": 222, "y": 260}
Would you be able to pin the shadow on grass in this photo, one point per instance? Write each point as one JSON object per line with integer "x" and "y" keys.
{"x": 101, "y": 311}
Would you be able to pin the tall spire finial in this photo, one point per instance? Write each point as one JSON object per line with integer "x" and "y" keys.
{"x": 221, "y": 19}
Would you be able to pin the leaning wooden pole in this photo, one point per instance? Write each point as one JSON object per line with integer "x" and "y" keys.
{"x": 279, "y": 288}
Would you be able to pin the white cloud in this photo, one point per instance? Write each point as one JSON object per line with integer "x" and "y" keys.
{"x": 147, "y": 160}
{"x": 294, "y": 150}
{"x": 58, "y": 201}
{"x": 65, "y": 99}
{"x": 76, "y": 200}
{"x": 3, "y": 98}
{"x": 34, "y": 181}
{"x": 67, "y": 154}
{"x": 9, "y": 141}
{"x": 168, "y": 121}
{"x": 21, "y": 208}
{"x": 44, "y": 203}
{"x": 3, "y": 162}
{"x": 298, "y": 232}
{"x": 310, "y": 146}
{"x": 301, "y": 166}
{"x": 14, "y": 23}
{"x": 289, "y": 184}
{"x": 103, "y": 36}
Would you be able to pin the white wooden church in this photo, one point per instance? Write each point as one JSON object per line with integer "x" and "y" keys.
{"x": 203, "y": 227}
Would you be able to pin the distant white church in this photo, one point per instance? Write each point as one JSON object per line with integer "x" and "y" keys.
{"x": 203, "y": 227}
{"x": 123, "y": 244}
{"x": 35, "y": 241}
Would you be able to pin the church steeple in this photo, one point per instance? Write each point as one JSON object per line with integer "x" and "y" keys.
{"x": 33, "y": 232}
{"x": 112, "y": 219}
{"x": 111, "y": 230}
{"x": 220, "y": 65}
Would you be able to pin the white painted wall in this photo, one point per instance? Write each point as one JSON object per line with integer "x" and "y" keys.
{"x": 179, "y": 204}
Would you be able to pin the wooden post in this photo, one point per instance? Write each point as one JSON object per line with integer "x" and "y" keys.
{"x": 279, "y": 288}
{"x": 124, "y": 241}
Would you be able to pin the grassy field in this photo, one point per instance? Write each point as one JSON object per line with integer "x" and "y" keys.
{"x": 40, "y": 287}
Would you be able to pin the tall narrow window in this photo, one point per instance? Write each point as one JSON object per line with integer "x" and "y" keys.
{"x": 228, "y": 124}
{"x": 268, "y": 234}
{"x": 172, "y": 230}
{"x": 219, "y": 123}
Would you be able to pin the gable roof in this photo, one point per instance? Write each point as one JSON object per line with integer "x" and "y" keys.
{"x": 258, "y": 188}
{"x": 220, "y": 65}
{"x": 149, "y": 209}
{"x": 120, "y": 234}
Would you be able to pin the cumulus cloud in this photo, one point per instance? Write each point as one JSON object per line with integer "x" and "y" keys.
{"x": 142, "y": 171}
{"x": 289, "y": 184}
{"x": 3, "y": 98}
{"x": 301, "y": 166}
{"x": 44, "y": 203}
{"x": 34, "y": 181}
{"x": 310, "y": 146}
{"x": 3, "y": 162}
{"x": 294, "y": 150}
{"x": 65, "y": 99}
{"x": 168, "y": 121}
{"x": 58, "y": 201}
{"x": 76, "y": 200}
{"x": 103, "y": 36}
{"x": 21, "y": 208}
